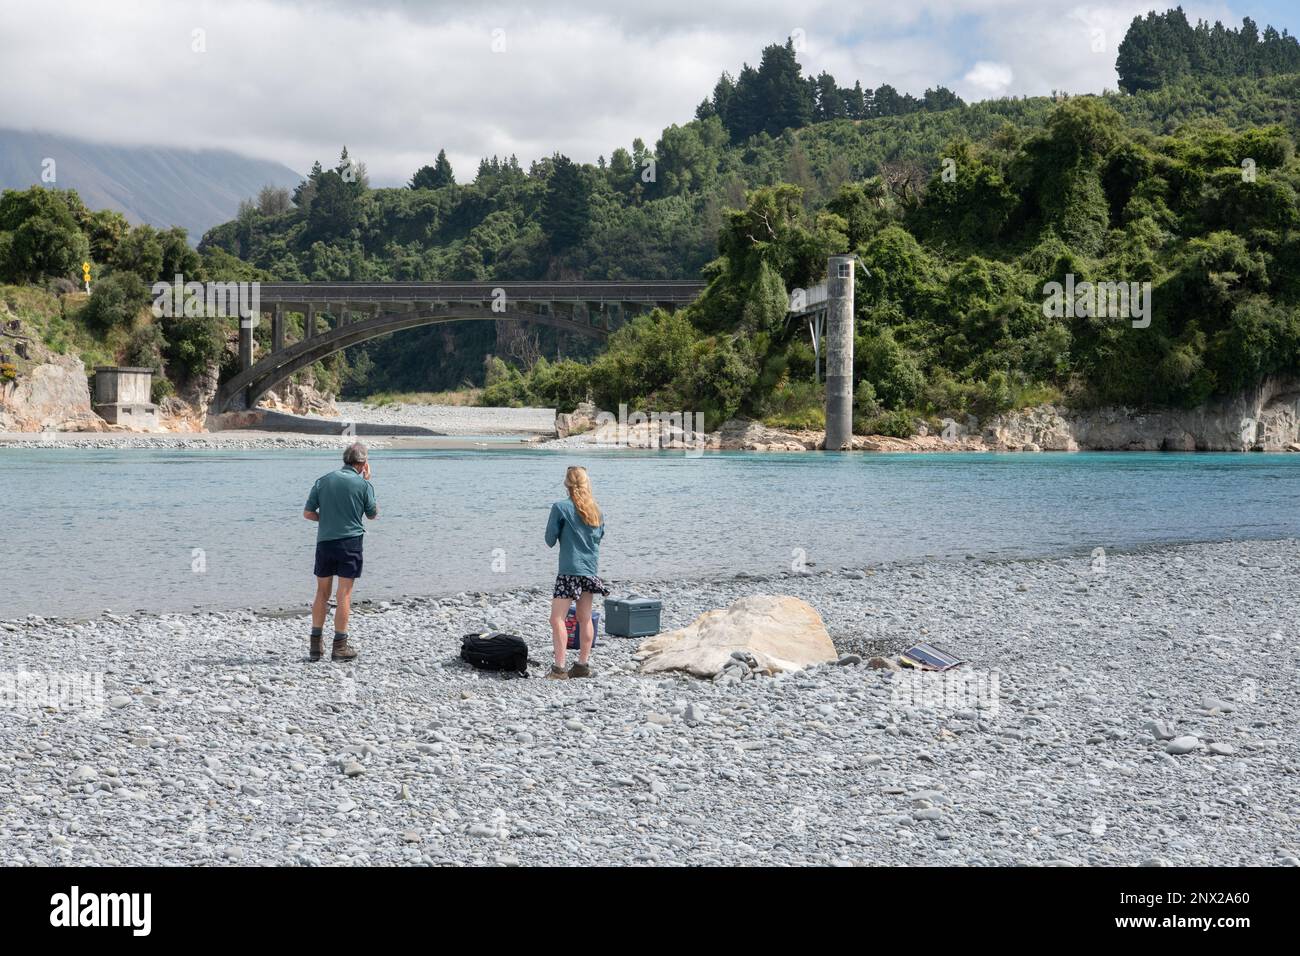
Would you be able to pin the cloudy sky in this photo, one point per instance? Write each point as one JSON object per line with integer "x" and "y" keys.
{"x": 396, "y": 80}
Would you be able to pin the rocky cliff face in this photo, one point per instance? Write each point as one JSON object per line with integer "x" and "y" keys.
{"x": 190, "y": 409}
{"x": 1265, "y": 419}
{"x": 299, "y": 399}
{"x": 187, "y": 410}
{"x": 52, "y": 396}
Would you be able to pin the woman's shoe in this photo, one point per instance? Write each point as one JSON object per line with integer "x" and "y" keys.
{"x": 557, "y": 673}
{"x": 580, "y": 670}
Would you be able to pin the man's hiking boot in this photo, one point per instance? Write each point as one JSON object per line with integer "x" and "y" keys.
{"x": 557, "y": 673}
{"x": 343, "y": 651}
{"x": 580, "y": 670}
{"x": 317, "y": 648}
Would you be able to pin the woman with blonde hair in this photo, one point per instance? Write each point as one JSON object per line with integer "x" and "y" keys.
{"x": 577, "y": 524}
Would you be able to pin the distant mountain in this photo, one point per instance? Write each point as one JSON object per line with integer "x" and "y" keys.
{"x": 162, "y": 186}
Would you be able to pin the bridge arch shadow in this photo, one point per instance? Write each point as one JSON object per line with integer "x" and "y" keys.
{"x": 244, "y": 390}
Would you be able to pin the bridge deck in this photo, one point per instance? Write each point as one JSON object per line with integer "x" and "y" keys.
{"x": 670, "y": 291}
{"x": 587, "y": 308}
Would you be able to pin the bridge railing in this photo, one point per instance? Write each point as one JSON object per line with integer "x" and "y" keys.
{"x": 667, "y": 292}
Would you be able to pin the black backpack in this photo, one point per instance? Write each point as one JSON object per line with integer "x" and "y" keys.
{"x": 495, "y": 651}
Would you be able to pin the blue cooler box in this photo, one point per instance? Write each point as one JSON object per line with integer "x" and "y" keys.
{"x": 632, "y": 616}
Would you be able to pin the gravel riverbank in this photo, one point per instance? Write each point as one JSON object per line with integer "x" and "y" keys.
{"x": 454, "y": 419}
{"x": 190, "y": 441}
{"x": 1137, "y": 709}
{"x": 444, "y": 420}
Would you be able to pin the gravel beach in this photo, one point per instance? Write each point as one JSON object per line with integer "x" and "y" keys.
{"x": 239, "y": 440}
{"x": 454, "y": 419}
{"x": 1133, "y": 709}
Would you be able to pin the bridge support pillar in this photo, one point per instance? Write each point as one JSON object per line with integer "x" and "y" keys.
{"x": 277, "y": 328}
{"x": 309, "y": 321}
{"x": 839, "y": 352}
{"x": 246, "y": 345}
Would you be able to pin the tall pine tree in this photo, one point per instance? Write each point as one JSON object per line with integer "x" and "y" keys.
{"x": 566, "y": 207}
{"x": 788, "y": 100}
{"x": 435, "y": 176}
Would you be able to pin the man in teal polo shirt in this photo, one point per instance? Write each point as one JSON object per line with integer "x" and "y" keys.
{"x": 337, "y": 503}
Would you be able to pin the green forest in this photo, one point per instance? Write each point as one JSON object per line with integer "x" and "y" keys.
{"x": 1162, "y": 47}
{"x": 1186, "y": 178}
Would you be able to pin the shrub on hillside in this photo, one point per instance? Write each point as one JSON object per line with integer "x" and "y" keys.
{"x": 194, "y": 343}
{"x": 795, "y": 404}
{"x": 505, "y": 386}
{"x": 144, "y": 349}
{"x": 896, "y": 424}
{"x": 115, "y": 302}
{"x": 161, "y": 389}
{"x": 560, "y": 384}
{"x": 39, "y": 236}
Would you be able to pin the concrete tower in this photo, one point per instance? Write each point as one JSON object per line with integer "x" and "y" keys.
{"x": 839, "y": 352}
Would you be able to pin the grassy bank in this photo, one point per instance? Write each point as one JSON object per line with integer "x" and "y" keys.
{"x": 48, "y": 324}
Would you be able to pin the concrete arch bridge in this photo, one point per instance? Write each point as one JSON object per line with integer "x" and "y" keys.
{"x": 365, "y": 310}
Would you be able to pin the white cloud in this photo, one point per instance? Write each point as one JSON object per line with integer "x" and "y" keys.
{"x": 989, "y": 79}
{"x": 396, "y": 80}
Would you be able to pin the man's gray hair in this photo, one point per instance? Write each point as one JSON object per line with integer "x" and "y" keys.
{"x": 355, "y": 454}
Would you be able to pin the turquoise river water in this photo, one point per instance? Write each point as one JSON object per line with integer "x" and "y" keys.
{"x": 175, "y": 530}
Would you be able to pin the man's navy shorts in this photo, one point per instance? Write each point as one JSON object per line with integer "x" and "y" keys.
{"x": 341, "y": 557}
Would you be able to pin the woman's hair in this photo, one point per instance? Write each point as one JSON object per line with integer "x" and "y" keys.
{"x": 579, "y": 486}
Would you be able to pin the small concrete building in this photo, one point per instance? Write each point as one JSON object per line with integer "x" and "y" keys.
{"x": 123, "y": 397}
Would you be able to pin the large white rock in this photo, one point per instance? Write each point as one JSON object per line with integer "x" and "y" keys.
{"x": 54, "y": 395}
{"x": 782, "y": 633}
{"x": 581, "y": 419}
